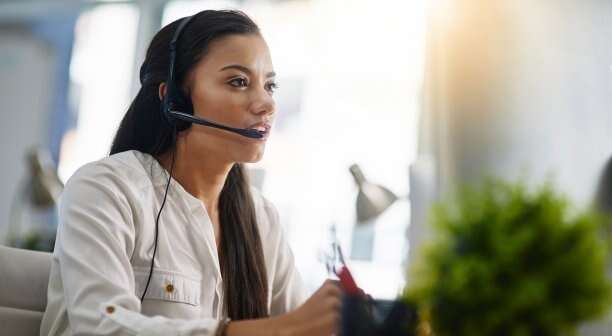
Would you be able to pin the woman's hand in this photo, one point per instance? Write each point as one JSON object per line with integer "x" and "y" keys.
{"x": 318, "y": 316}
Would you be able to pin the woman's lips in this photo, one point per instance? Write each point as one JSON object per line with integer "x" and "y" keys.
{"x": 262, "y": 128}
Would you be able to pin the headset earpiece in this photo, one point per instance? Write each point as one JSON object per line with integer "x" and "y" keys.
{"x": 175, "y": 100}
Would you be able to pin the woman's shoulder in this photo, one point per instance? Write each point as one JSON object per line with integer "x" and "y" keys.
{"x": 122, "y": 170}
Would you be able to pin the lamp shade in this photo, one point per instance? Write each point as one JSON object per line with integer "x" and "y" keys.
{"x": 32, "y": 215}
{"x": 372, "y": 199}
{"x": 45, "y": 186}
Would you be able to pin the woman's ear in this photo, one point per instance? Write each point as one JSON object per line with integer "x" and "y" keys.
{"x": 162, "y": 90}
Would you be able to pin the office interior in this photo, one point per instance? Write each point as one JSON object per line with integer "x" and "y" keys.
{"x": 414, "y": 99}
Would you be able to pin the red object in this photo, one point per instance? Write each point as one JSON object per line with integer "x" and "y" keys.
{"x": 347, "y": 282}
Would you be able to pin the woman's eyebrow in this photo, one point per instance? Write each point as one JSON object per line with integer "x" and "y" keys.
{"x": 245, "y": 69}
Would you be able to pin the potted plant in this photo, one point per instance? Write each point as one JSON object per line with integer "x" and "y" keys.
{"x": 509, "y": 261}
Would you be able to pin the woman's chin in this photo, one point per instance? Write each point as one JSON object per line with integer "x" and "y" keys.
{"x": 251, "y": 157}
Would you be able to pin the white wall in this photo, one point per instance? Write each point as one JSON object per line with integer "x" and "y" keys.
{"x": 544, "y": 106}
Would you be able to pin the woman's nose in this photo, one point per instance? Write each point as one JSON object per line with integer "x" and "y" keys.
{"x": 263, "y": 103}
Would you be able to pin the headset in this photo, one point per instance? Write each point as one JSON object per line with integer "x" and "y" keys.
{"x": 177, "y": 107}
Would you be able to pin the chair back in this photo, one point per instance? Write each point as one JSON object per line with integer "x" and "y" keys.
{"x": 24, "y": 277}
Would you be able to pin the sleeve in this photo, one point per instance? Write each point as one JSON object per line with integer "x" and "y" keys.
{"x": 287, "y": 292}
{"x": 94, "y": 243}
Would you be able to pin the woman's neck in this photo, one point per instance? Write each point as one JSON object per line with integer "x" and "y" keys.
{"x": 203, "y": 176}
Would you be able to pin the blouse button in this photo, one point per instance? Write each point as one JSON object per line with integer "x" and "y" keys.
{"x": 170, "y": 288}
{"x": 110, "y": 309}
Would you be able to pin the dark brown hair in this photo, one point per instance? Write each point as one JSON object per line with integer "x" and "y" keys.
{"x": 144, "y": 128}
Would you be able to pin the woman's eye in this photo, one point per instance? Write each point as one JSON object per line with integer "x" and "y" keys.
{"x": 271, "y": 87}
{"x": 238, "y": 82}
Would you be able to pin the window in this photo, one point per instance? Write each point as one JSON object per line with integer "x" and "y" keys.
{"x": 100, "y": 74}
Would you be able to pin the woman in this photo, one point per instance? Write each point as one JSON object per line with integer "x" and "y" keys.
{"x": 164, "y": 236}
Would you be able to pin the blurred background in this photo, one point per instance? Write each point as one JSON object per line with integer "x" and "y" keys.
{"x": 422, "y": 96}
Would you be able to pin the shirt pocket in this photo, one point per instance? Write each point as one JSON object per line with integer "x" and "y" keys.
{"x": 168, "y": 286}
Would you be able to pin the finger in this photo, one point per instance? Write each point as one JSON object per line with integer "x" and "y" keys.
{"x": 331, "y": 282}
{"x": 332, "y": 287}
{"x": 334, "y": 303}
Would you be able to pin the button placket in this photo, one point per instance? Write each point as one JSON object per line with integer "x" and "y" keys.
{"x": 203, "y": 224}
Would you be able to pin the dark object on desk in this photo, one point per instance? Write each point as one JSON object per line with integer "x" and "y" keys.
{"x": 363, "y": 317}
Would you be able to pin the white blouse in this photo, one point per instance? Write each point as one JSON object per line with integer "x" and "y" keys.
{"x": 105, "y": 243}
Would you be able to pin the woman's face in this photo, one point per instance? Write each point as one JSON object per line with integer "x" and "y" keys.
{"x": 232, "y": 85}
